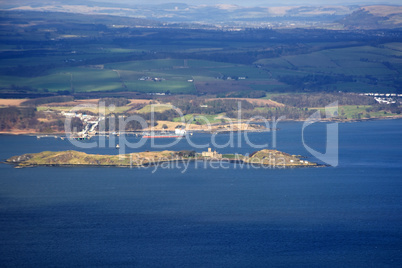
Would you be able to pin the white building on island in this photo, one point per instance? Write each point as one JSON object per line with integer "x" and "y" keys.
{"x": 211, "y": 154}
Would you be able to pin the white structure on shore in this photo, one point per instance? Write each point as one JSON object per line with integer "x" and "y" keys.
{"x": 211, "y": 154}
{"x": 180, "y": 131}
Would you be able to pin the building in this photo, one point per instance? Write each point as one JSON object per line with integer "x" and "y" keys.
{"x": 180, "y": 131}
{"x": 68, "y": 114}
{"x": 211, "y": 154}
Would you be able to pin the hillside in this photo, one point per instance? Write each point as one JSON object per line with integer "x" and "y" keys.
{"x": 223, "y": 14}
{"x": 74, "y": 158}
{"x": 271, "y": 158}
{"x": 374, "y": 17}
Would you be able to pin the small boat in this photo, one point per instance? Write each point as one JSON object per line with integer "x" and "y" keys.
{"x": 117, "y": 146}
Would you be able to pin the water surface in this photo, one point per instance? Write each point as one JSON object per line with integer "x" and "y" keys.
{"x": 350, "y": 215}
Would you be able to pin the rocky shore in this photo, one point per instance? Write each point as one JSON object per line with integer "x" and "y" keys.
{"x": 272, "y": 158}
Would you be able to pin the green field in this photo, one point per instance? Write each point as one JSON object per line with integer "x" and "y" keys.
{"x": 76, "y": 53}
{"x": 368, "y": 68}
{"x": 157, "y": 108}
{"x": 371, "y": 68}
{"x": 173, "y": 75}
{"x": 71, "y": 79}
{"x": 357, "y": 112}
{"x": 118, "y": 110}
{"x": 202, "y": 119}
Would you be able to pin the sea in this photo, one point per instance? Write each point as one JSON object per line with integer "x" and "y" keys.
{"x": 345, "y": 215}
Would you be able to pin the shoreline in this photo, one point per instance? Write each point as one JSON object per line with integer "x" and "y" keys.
{"x": 264, "y": 158}
{"x": 248, "y": 165}
{"x": 33, "y": 133}
{"x": 173, "y": 162}
{"x": 394, "y": 117}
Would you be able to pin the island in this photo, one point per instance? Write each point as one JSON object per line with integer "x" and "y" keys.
{"x": 265, "y": 157}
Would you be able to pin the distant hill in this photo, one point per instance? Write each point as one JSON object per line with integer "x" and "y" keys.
{"x": 374, "y": 17}
{"x": 183, "y": 13}
{"x": 325, "y": 16}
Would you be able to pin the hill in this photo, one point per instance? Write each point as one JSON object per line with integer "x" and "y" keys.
{"x": 374, "y": 17}
{"x": 270, "y": 158}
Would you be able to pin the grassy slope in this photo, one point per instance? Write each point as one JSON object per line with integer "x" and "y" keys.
{"x": 80, "y": 158}
{"x": 357, "y": 61}
{"x": 123, "y": 76}
{"x": 121, "y": 109}
{"x": 265, "y": 157}
{"x": 277, "y": 158}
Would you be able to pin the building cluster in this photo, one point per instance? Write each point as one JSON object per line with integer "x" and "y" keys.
{"x": 180, "y": 131}
{"x": 84, "y": 117}
{"x": 211, "y": 154}
{"x": 90, "y": 123}
{"x": 381, "y": 94}
{"x": 157, "y": 94}
{"x": 147, "y": 78}
{"x": 224, "y": 77}
{"x": 384, "y": 98}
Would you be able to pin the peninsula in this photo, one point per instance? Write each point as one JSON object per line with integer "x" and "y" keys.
{"x": 271, "y": 158}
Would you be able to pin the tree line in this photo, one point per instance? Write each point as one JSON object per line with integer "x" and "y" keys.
{"x": 323, "y": 99}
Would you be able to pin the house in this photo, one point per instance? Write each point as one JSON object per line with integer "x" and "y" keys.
{"x": 211, "y": 154}
{"x": 180, "y": 131}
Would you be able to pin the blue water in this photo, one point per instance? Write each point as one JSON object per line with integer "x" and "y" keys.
{"x": 350, "y": 215}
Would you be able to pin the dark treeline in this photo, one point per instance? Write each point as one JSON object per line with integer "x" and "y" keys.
{"x": 37, "y": 42}
{"x": 314, "y": 81}
{"x": 167, "y": 115}
{"x": 201, "y": 106}
{"x": 17, "y": 118}
{"x": 323, "y": 99}
{"x": 45, "y": 100}
{"x": 243, "y": 94}
{"x": 55, "y": 123}
{"x": 232, "y": 108}
{"x": 113, "y": 122}
{"x": 288, "y": 112}
{"x": 27, "y": 118}
{"x": 392, "y": 108}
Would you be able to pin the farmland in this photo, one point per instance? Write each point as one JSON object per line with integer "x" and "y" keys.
{"x": 150, "y": 76}
{"x": 354, "y": 69}
{"x": 76, "y": 58}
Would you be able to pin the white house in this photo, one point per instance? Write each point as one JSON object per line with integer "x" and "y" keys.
{"x": 180, "y": 131}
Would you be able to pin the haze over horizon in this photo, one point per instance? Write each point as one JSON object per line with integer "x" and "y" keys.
{"x": 255, "y": 2}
